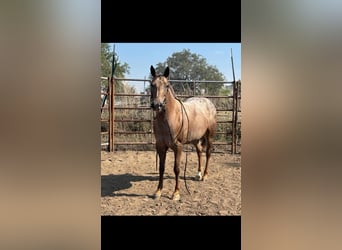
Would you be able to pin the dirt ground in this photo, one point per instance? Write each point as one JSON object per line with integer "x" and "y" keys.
{"x": 129, "y": 180}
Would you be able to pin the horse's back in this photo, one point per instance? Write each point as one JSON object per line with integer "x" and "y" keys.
{"x": 201, "y": 105}
{"x": 201, "y": 113}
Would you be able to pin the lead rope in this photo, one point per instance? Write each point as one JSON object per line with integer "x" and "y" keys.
{"x": 187, "y": 139}
{"x": 186, "y": 153}
{"x": 156, "y": 161}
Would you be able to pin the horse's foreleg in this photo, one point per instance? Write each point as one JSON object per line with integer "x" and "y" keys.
{"x": 176, "y": 169}
{"x": 162, "y": 156}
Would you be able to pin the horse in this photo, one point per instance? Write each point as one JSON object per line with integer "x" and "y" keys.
{"x": 177, "y": 123}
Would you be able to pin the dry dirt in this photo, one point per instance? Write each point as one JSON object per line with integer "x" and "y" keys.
{"x": 129, "y": 179}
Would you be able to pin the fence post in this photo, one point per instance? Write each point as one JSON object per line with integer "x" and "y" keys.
{"x": 235, "y": 117}
{"x": 109, "y": 98}
{"x": 233, "y": 121}
{"x": 111, "y": 114}
{"x": 238, "y": 107}
{"x": 235, "y": 110}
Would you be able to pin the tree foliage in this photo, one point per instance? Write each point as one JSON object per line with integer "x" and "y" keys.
{"x": 188, "y": 66}
{"x": 106, "y": 65}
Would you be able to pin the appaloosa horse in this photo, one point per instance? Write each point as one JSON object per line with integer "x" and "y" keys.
{"x": 177, "y": 123}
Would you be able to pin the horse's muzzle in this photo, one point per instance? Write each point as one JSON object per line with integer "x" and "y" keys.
{"x": 157, "y": 106}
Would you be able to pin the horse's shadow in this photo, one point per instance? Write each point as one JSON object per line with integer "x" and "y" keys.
{"x": 112, "y": 183}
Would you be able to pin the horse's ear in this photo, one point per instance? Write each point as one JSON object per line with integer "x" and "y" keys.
{"x": 167, "y": 72}
{"x": 153, "y": 71}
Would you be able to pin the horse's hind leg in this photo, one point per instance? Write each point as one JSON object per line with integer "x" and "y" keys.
{"x": 208, "y": 153}
{"x": 199, "y": 149}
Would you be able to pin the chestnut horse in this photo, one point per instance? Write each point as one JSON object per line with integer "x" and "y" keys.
{"x": 177, "y": 123}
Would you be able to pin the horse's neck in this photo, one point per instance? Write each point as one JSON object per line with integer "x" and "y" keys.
{"x": 173, "y": 105}
{"x": 173, "y": 114}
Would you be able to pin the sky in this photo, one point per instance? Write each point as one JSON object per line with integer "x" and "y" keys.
{"x": 140, "y": 56}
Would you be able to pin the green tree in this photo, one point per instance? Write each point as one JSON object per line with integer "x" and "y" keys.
{"x": 185, "y": 65}
{"x": 226, "y": 90}
{"x": 106, "y": 65}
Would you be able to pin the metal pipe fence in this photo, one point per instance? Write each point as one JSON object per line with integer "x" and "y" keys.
{"x": 126, "y": 118}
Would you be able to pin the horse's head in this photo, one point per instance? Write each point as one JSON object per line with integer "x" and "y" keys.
{"x": 159, "y": 86}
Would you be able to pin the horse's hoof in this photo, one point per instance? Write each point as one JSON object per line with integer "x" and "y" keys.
{"x": 199, "y": 176}
{"x": 204, "y": 177}
{"x": 176, "y": 196}
{"x": 157, "y": 194}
